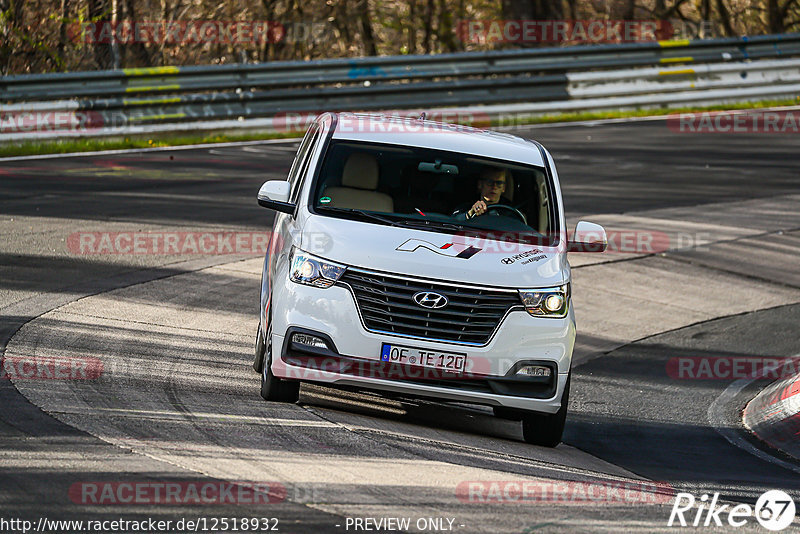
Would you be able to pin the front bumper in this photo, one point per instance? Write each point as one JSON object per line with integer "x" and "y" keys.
{"x": 354, "y": 355}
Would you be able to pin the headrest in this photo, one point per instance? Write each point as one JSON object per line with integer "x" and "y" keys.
{"x": 360, "y": 171}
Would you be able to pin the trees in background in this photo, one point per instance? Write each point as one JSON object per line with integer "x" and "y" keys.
{"x": 59, "y": 35}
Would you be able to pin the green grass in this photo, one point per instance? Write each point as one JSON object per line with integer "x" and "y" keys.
{"x": 91, "y": 144}
{"x": 67, "y": 146}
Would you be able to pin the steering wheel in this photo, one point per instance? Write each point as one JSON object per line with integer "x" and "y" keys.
{"x": 513, "y": 210}
{"x": 506, "y": 207}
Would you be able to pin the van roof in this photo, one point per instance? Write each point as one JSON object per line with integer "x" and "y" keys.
{"x": 378, "y": 128}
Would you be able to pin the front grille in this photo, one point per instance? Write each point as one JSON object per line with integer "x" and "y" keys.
{"x": 386, "y": 305}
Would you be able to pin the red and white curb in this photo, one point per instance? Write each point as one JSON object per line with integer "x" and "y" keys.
{"x": 774, "y": 415}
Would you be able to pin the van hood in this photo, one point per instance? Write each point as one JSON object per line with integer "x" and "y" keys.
{"x": 434, "y": 255}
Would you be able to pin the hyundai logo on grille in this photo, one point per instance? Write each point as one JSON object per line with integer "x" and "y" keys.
{"x": 429, "y": 299}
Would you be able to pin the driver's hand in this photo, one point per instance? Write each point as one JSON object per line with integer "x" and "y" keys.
{"x": 479, "y": 208}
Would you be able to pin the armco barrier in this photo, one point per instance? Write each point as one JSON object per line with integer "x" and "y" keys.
{"x": 130, "y": 101}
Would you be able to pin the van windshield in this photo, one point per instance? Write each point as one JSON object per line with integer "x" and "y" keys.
{"x": 435, "y": 190}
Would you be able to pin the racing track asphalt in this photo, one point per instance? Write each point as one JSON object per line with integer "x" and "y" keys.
{"x": 625, "y": 409}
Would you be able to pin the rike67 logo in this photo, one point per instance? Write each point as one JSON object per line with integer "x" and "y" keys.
{"x": 774, "y": 510}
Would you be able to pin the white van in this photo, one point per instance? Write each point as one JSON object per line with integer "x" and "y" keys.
{"x": 417, "y": 258}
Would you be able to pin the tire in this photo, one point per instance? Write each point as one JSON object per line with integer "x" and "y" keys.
{"x": 546, "y": 429}
{"x": 258, "y": 363}
{"x": 273, "y": 388}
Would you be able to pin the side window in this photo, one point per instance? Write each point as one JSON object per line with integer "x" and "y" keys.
{"x": 302, "y": 152}
{"x": 303, "y": 162}
{"x": 543, "y": 224}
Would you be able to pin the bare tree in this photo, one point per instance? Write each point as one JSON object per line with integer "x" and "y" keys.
{"x": 139, "y": 52}
{"x": 427, "y": 25}
{"x": 572, "y": 9}
{"x": 445, "y": 30}
{"x": 62, "y": 33}
{"x": 725, "y": 18}
{"x": 100, "y": 13}
{"x": 366, "y": 28}
{"x": 412, "y": 26}
{"x": 11, "y": 31}
{"x": 36, "y": 35}
{"x": 629, "y": 11}
{"x": 778, "y": 15}
{"x": 533, "y": 9}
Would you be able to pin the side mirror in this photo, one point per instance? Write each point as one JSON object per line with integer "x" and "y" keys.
{"x": 275, "y": 196}
{"x": 588, "y": 237}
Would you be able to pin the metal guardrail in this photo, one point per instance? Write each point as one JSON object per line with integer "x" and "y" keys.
{"x": 129, "y": 100}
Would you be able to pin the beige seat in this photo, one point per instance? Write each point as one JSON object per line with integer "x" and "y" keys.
{"x": 509, "y": 192}
{"x": 359, "y": 183}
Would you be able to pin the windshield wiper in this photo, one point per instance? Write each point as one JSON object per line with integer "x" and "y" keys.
{"x": 430, "y": 223}
{"x": 363, "y": 213}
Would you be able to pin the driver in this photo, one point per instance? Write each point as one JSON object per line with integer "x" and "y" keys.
{"x": 491, "y": 186}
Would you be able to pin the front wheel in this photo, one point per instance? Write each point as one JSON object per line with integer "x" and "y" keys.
{"x": 546, "y": 429}
{"x": 273, "y": 388}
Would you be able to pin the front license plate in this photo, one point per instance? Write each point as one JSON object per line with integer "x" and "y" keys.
{"x": 433, "y": 359}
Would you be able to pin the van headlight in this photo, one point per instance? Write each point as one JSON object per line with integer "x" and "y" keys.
{"x": 546, "y": 301}
{"x": 312, "y": 271}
